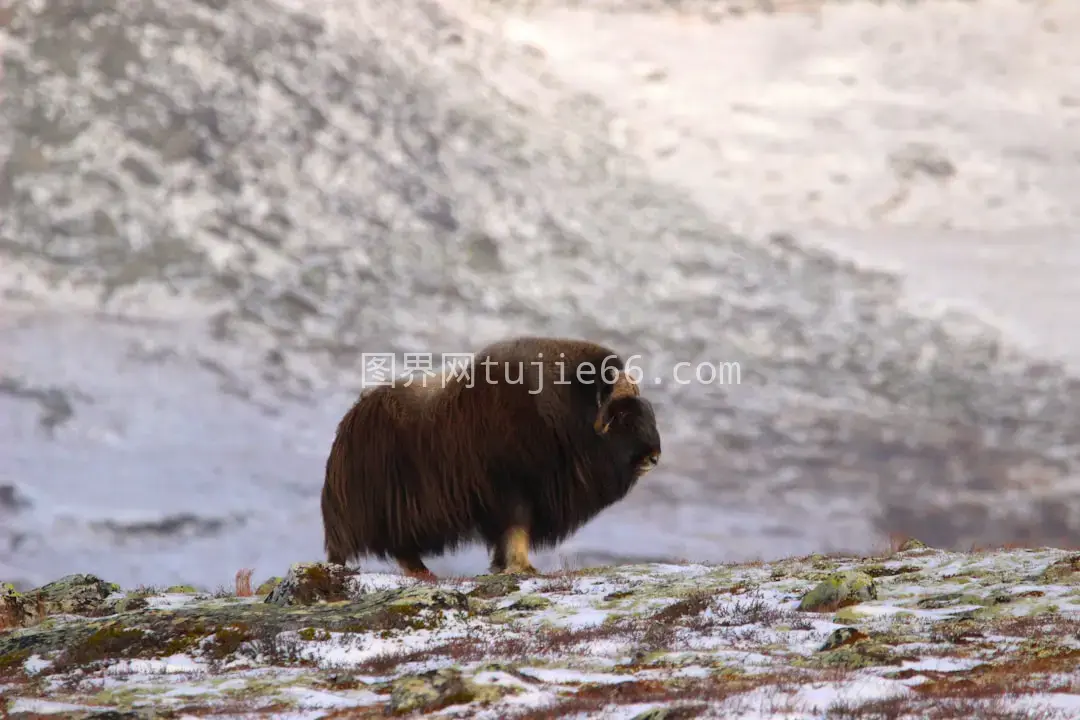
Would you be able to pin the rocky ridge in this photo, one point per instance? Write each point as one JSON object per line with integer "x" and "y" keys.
{"x": 908, "y": 632}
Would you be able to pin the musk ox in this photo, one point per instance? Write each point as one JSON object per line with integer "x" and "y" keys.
{"x": 519, "y": 449}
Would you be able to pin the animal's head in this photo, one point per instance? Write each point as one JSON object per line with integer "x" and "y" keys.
{"x": 630, "y": 422}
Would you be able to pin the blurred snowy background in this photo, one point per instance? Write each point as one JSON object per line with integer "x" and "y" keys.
{"x": 209, "y": 210}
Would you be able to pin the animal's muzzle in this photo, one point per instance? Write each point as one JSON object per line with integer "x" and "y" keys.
{"x": 648, "y": 463}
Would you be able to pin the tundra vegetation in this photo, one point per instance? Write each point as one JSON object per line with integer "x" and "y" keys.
{"x": 910, "y": 632}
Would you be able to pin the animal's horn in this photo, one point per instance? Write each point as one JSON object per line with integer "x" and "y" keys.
{"x": 624, "y": 386}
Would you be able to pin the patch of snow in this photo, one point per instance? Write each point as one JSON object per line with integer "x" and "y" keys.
{"x": 35, "y": 664}
{"x": 311, "y": 698}
{"x": 173, "y": 664}
{"x": 583, "y": 619}
{"x": 47, "y": 707}
{"x": 1067, "y": 703}
{"x": 169, "y": 600}
{"x": 373, "y": 582}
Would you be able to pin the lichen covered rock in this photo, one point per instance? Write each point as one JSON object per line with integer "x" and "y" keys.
{"x": 435, "y": 690}
{"x": 70, "y": 595}
{"x": 839, "y": 590}
{"x": 308, "y": 583}
{"x": 268, "y": 586}
{"x": 1066, "y": 570}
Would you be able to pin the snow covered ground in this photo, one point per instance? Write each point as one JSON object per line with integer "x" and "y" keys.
{"x": 963, "y": 634}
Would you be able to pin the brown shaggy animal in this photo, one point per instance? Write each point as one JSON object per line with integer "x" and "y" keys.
{"x": 521, "y": 450}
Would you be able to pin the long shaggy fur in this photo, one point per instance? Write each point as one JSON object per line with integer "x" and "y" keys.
{"x": 417, "y": 470}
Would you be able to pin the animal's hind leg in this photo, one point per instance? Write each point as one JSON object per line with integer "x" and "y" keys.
{"x": 512, "y": 553}
{"x": 411, "y": 564}
{"x": 498, "y": 558}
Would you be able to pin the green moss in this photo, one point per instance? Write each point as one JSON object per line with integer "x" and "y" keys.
{"x": 121, "y": 698}
{"x": 109, "y": 642}
{"x": 266, "y": 587}
{"x": 227, "y": 640}
{"x": 311, "y": 634}
{"x": 13, "y": 660}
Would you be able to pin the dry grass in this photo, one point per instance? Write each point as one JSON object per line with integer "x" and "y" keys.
{"x": 243, "y": 582}
{"x": 685, "y": 698}
{"x": 903, "y": 706}
{"x": 544, "y": 642}
{"x": 557, "y": 583}
{"x": 232, "y": 709}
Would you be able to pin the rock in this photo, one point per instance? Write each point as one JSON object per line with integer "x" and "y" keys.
{"x": 667, "y": 713}
{"x": 944, "y": 600}
{"x": 154, "y": 632}
{"x": 877, "y": 570}
{"x": 913, "y": 544}
{"x": 15, "y": 608}
{"x": 126, "y": 604}
{"x": 839, "y": 590}
{"x": 842, "y": 636}
{"x": 75, "y": 594}
{"x": 434, "y": 690}
{"x": 491, "y": 586}
{"x": 308, "y": 583}
{"x": 70, "y": 595}
{"x": 531, "y": 602}
{"x": 859, "y": 654}
{"x": 419, "y": 598}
